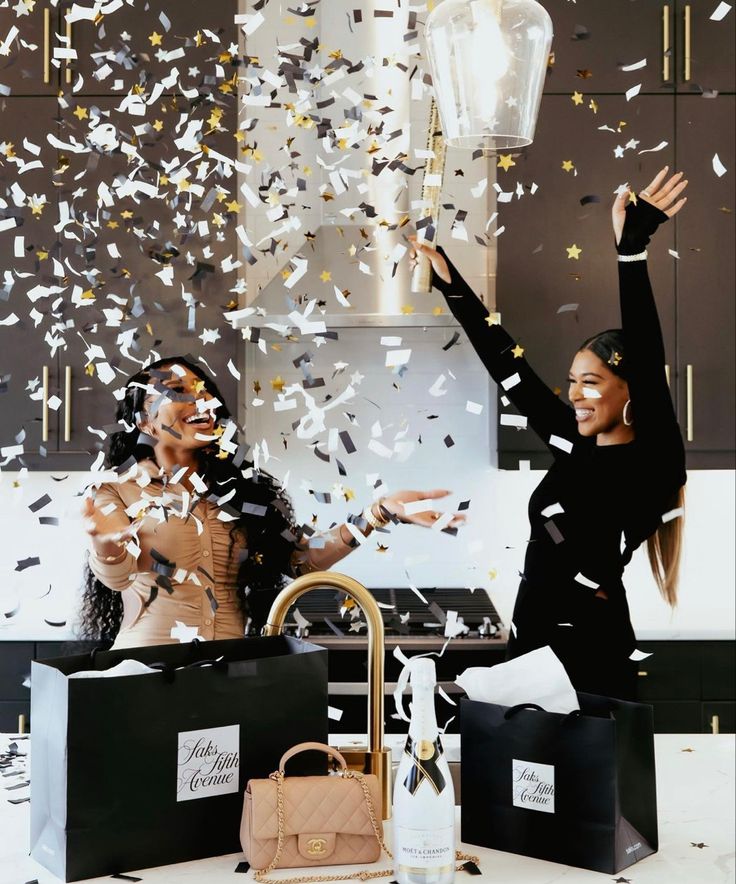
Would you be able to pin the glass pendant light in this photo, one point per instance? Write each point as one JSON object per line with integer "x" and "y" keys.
{"x": 488, "y": 60}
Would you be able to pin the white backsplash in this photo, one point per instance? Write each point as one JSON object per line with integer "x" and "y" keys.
{"x": 494, "y": 538}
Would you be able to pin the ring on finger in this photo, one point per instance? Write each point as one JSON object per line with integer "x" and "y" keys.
{"x": 644, "y": 193}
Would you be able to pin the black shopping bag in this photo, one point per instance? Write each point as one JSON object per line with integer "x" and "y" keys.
{"x": 577, "y": 789}
{"x": 146, "y": 770}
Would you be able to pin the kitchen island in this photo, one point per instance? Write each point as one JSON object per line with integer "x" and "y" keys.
{"x": 695, "y": 791}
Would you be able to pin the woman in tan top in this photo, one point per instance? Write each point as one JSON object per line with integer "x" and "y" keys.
{"x": 191, "y": 539}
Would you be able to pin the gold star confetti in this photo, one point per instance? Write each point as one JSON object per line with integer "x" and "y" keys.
{"x": 112, "y": 225}
{"x": 568, "y": 165}
{"x": 437, "y": 311}
{"x": 81, "y": 113}
{"x": 518, "y": 351}
{"x": 198, "y": 39}
{"x": 381, "y": 548}
{"x": 325, "y": 276}
{"x": 505, "y": 162}
{"x": 6, "y": 149}
{"x": 493, "y": 319}
{"x": 577, "y": 98}
{"x": 574, "y": 252}
{"x": 158, "y": 125}
{"x": 584, "y": 74}
{"x": 593, "y": 105}
{"x": 218, "y": 220}
{"x": 42, "y": 254}
{"x": 155, "y": 39}
{"x": 126, "y": 214}
{"x": 233, "y": 206}
{"x": 632, "y": 197}
{"x": 37, "y": 204}
{"x": 407, "y": 309}
{"x": 278, "y": 384}
{"x": 89, "y": 369}
{"x": 492, "y": 573}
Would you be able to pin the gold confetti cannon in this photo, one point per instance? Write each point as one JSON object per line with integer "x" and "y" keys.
{"x": 421, "y": 278}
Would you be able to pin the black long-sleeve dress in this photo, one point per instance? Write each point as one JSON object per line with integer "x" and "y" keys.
{"x": 612, "y": 496}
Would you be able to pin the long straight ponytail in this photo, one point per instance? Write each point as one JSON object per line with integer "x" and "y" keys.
{"x": 664, "y": 549}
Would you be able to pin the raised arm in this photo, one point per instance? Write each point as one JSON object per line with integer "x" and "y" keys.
{"x": 634, "y": 223}
{"x": 546, "y": 413}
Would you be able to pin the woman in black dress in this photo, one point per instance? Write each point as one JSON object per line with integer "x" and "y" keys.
{"x": 619, "y": 462}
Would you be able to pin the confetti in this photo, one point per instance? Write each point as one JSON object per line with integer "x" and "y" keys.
{"x": 720, "y": 12}
{"x": 718, "y": 166}
{"x": 633, "y": 92}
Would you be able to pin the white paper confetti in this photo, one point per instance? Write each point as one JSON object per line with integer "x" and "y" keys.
{"x": 633, "y": 92}
{"x": 720, "y": 12}
{"x": 561, "y": 443}
{"x": 637, "y": 656}
{"x": 581, "y": 578}
{"x": 718, "y": 166}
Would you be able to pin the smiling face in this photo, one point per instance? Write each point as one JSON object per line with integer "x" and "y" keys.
{"x": 182, "y": 419}
{"x": 598, "y": 396}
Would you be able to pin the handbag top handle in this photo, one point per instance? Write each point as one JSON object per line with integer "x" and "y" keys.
{"x": 304, "y": 747}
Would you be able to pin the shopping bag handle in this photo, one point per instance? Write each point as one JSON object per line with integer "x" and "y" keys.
{"x": 169, "y": 670}
{"x": 509, "y": 713}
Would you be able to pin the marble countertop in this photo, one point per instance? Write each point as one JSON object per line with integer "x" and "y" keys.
{"x": 695, "y": 788}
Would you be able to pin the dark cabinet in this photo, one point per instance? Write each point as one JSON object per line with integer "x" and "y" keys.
{"x": 123, "y": 247}
{"x": 139, "y": 48}
{"x": 683, "y": 47}
{"x": 706, "y": 270}
{"x": 691, "y": 685}
{"x": 28, "y": 69}
{"x": 593, "y": 41}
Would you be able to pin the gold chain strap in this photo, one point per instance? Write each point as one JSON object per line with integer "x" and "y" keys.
{"x": 364, "y": 875}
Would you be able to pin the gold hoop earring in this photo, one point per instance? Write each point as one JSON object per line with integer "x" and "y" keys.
{"x": 627, "y": 405}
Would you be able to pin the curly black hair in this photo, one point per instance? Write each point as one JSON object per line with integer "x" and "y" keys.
{"x": 265, "y": 517}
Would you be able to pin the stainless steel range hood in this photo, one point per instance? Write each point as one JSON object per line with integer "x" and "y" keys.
{"x": 345, "y": 275}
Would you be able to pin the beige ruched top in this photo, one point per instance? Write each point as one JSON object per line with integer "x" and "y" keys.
{"x": 194, "y": 539}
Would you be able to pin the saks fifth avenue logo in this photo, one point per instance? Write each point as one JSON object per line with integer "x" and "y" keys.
{"x": 533, "y": 785}
{"x": 208, "y": 762}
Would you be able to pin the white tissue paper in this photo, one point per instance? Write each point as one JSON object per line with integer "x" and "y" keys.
{"x": 537, "y": 677}
{"x": 125, "y": 667}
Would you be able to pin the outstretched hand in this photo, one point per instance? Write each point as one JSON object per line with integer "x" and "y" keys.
{"x": 660, "y": 194}
{"x": 394, "y": 503}
{"x": 106, "y": 530}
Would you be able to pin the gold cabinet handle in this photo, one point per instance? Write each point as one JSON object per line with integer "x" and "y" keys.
{"x": 47, "y": 45}
{"x": 68, "y": 71}
{"x": 686, "y": 70}
{"x": 45, "y": 407}
{"x": 68, "y": 403}
{"x": 690, "y": 428}
{"x": 666, "y": 43}
{"x": 715, "y": 724}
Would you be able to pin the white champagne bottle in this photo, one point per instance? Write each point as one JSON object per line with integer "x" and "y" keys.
{"x": 424, "y": 797}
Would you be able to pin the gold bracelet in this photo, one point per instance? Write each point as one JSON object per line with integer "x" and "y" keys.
{"x": 372, "y": 519}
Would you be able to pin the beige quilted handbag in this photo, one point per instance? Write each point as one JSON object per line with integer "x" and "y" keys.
{"x": 313, "y": 821}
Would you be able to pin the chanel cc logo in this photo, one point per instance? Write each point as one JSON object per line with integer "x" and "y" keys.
{"x": 316, "y": 846}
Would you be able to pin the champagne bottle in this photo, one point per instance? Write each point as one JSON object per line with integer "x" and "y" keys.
{"x": 424, "y": 797}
